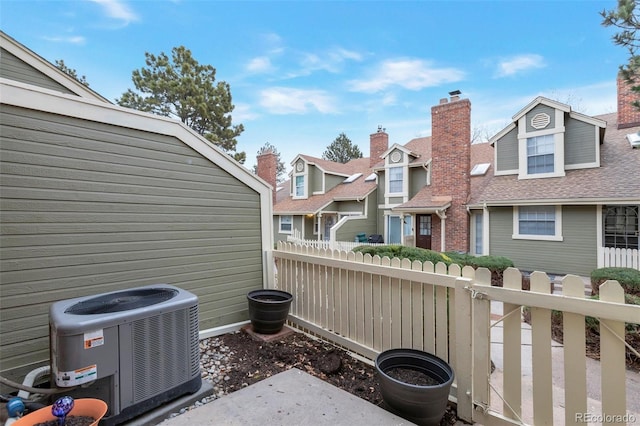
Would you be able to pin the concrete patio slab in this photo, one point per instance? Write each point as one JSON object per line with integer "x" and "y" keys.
{"x": 291, "y": 398}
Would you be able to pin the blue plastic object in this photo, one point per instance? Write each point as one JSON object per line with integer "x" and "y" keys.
{"x": 15, "y": 407}
{"x": 61, "y": 408}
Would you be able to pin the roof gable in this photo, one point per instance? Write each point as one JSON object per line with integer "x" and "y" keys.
{"x": 35, "y": 61}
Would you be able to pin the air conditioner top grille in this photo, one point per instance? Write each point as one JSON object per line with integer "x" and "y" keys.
{"x": 122, "y": 301}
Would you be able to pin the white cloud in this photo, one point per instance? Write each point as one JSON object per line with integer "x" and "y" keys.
{"x": 411, "y": 74}
{"x": 285, "y": 100}
{"x": 68, "y": 39}
{"x": 331, "y": 61}
{"x": 116, "y": 9}
{"x": 242, "y": 113}
{"x": 259, "y": 65}
{"x": 516, "y": 64}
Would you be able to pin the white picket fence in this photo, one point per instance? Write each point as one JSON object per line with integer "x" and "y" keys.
{"x": 616, "y": 257}
{"x": 369, "y": 304}
{"x": 295, "y": 238}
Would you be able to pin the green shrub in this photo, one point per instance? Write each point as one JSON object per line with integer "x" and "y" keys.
{"x": 496, "y": 264}
{"x": 404, "y": 252}
{"x": 628, "y": 278}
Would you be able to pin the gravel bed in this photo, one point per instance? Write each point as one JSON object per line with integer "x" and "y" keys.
{"x": 214, "y": 364}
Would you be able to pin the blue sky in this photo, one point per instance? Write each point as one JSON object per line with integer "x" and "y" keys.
{"x": 302, "y": 72}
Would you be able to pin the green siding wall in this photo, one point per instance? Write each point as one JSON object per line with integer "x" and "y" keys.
{"x": 579, "y": 142}
{"x": 576, "y": 254}
{"x": 332, "y": 181}
{"x": 506, "y": 149}
{"x": 315, "y": 180}
{"x": 16, "y": 69}
{"x": 350, "y": 206}
{"x": 368, "y": 225}
{"x": 89, "y": 208}
{"x": 417, "y": 180}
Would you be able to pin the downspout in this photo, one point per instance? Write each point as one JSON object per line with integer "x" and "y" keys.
{"x": 319, "y": 226}
{"x": 443, "y": 216}
{"x": 485, "y": 229}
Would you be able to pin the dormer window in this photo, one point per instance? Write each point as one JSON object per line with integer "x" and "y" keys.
{"x": 396, "y": 179}
{"x": 299, "y": 180}
{"x": 540, "y": 154}
{"x": 299, "y": 190}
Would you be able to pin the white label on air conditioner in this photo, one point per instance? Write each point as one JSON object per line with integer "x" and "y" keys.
{"x": 77, "y": 377}
{"x": 93, "y": 339}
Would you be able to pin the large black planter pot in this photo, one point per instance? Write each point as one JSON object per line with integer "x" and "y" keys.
{"x": 268, "y": 310}
{"x": 424, "y": 405}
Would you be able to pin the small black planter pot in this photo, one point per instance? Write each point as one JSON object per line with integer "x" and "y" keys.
{"x": 268, "y": 310}
{"x": 424, "y": 405}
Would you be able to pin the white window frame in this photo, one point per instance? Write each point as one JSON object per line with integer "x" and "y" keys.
{"x": 557, "y": 231}
{"x": 540, "y": 142}
{"x": 477, "y": 235}
{"x": 284, "y": 222}
{"x": 294, "y": 183}
{"x": 402, "y": 180}
{"x": 558, "y": 147}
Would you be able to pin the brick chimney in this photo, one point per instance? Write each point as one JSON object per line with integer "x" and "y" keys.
{"x": 268, "y": 170}
{"x": 628, "y": 115}
{"x": 450, "y": 173}
{"x": 378, "y": 144}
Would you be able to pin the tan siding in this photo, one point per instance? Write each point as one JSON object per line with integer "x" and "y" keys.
{"x": 89, "y": 208}
{"x": 576, "y": 254}
{"x": 507, "y": 151}
{"x": 15, "y": 69}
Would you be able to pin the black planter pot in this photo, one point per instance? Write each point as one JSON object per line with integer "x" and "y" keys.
{"x": 268, "y": 310}
{"x": 424, "y": 405}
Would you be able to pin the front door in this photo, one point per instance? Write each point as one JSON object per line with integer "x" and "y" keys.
{"x": 329, "y": 221}
{"x": 423, "y": 237}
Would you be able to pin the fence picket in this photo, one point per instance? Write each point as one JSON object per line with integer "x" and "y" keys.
{"x": 359, "y": 315}
{"x": 417, "y": 303}
{"x": 385, "y": 300}
{"x": 481, "y": 310}
{"x": 541, "y": 354}
{"x": 368, "y": 312}
{"x": 612, "y": 357}
{"x": 512, "y": 348}
{"x": 396, "y": 307}
{"x": 442, "y": 332}
{"x": 377, "y": 306}
{"x": 575, "y": 372}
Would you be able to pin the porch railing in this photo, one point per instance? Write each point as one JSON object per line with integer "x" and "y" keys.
{"x": 617, "y": 257}
{"x": 296, "y": 238}
{"x": 370, "y": 304}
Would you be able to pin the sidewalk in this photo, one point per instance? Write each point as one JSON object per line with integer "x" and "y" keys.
{"x": 290, "y": 398}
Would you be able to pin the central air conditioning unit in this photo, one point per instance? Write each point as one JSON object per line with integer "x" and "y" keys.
{"x": 135, "y": 349}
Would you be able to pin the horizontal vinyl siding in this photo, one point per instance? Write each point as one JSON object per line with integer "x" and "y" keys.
{"x": 507, "y": 151}
{"x": 89, "y": 208}
{"x": 576, "y": 254}
{"x": 14, "y": 68}
{"x": 579, "y": 142}
{"x": 417, "y": 180}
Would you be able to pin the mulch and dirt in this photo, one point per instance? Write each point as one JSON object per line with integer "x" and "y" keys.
{"x": 70, "y": 421}
{"x": 252, "y": 360}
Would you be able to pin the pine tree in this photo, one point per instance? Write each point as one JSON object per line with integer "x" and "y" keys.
{"x": 342, "y": 150}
